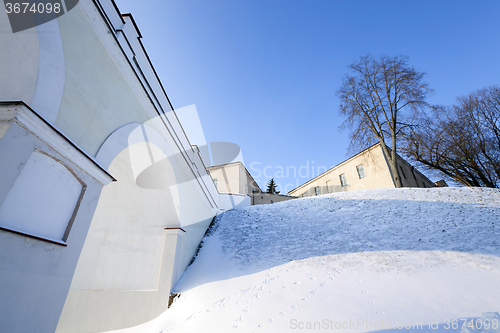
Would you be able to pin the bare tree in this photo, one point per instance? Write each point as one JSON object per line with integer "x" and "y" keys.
{"x": 379, "y": 97}
{"x": 463, "y": 141}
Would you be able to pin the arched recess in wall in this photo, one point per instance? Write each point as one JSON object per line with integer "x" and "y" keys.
{"x": 125, "y": 245}
{"x": 151, "y": 159}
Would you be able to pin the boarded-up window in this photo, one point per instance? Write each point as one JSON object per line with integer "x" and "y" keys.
{"x": 43, "y": 200}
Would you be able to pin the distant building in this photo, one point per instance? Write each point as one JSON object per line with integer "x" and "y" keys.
{"x": 234, "y": 178}
{"x": 368, "y": 169}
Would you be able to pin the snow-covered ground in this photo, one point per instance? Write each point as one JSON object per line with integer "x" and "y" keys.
{"x": 377, "y": 260}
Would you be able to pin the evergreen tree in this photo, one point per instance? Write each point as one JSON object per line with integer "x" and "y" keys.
{"x": 271, "y": 187}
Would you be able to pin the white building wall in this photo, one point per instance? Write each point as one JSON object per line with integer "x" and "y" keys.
{"x": 19, "y": 70}
{"x": 41, "y": 232}
{"x": 130, "y": 261}
{"x": 88, "y": 76}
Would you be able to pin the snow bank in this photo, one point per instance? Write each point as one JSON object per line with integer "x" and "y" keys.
{"x": 409, "y": 260}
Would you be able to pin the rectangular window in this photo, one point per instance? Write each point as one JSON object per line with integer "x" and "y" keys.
{"x": 316, "y": 190}
{"x": 343, "y": 180}
{"x": 215, "y": 182}
{"x": 361, "y": 171}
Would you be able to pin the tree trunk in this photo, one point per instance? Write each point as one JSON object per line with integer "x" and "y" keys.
{"x": 394, "y": 169}
{"x": 393, "y": 164}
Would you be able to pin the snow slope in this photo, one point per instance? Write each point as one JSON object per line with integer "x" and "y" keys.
{"x": 376, "y": 260}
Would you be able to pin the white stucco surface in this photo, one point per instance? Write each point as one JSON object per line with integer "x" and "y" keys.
{"x": 97, "y": 98}
{"x": 228, "y": 201}
{"x": 94, "y": 83}
{"x": 124, "y": 246}
{"x": 19, "y": 54}
{"x": 37, "y": 195}
{"x": 51, "y": 71}
{"x": 42, "y": 199}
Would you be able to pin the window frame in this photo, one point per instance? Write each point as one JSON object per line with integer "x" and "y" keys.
{"x": 328, "y": 185}
{"x": 361, "y": 170}
{"x": 343, "y": 180}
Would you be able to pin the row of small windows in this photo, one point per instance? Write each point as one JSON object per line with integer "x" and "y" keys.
{"x": 361, "y": 174}
{"x": 343, "y": 180}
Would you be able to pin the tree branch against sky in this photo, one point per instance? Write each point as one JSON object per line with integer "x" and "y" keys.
{"x": 462, "y": 142}
{"x": 379, "y": 98}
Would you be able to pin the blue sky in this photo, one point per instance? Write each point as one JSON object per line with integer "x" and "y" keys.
{"x": 263, "y": 74}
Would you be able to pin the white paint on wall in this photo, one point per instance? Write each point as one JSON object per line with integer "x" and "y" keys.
{"x": 51, "y": 71}
{"x": 114, "y": 144}
{"x": 148, "y": 150}
{"x": 228, "y": 201}
{"x": 19, "y": 55}
{"x": 124, "y": 246}
{"x": 35, "y": 275}
{"x": 4, "y": 126}
{"x": 97, "y": 98}
{"x": 42, "y": 199}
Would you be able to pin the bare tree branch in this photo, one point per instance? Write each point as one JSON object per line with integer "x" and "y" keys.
{"x": 375, "y": 96}
{"x": 463, "y": 141}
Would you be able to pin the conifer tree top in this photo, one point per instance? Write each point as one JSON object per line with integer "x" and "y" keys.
{"x": 271, "y": 187}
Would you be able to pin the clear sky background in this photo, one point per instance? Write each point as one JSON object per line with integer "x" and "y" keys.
{"x": 263, "y": 73}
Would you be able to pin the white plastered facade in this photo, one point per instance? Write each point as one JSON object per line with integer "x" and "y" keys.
{"x": 148, "y": 198}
